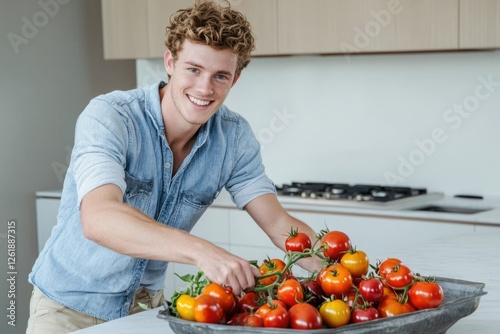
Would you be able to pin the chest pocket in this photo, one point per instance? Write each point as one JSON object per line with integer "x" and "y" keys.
{"x": 138, "y": 193}
{"x": 190, "y": 208}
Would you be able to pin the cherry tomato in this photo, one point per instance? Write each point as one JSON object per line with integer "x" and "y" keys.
{"x": 386, "y": 266}
{"x": 185, "y": 307}
{"x": 305, "y": 316}
{"x": 350, "y": 299}
{"x": 356, "y": 261}
{"x": 335, "y": 313}
{"x": 371, "y": 289}
{"x": 267, "y": 307}
{"x": 399, "y": 277}
{"x": 207, "y": 309}
{"x": 276, "y": 317}
{"x": 336, "y": 280}
{"x": 424, "y": 295}
{"x": 313, "y": 294}
{"x": 270, "y": 266}
{"x": 290, "y": 292}
{"x": 335, "y": 244}
{"x": 224, "y": 296}
{"x": 249, "y": 302}
{"x": 297, "y": 241}
{"x": 360, "y": 314}
{"x": 390, "y": 306}
{"x": 253, "y": 320}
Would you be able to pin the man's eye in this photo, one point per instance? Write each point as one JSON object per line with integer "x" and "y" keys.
{"x": 221, "y": 77}
{"x": 193, "y": 70}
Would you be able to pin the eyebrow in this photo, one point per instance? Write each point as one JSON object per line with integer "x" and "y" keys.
{"x": 227, "y": 73}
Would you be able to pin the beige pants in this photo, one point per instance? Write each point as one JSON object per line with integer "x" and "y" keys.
{"x": 48, "y": 316}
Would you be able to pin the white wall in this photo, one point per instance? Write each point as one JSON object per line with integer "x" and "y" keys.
{"x": 46, "y": 80}
{"x": 358, "y": 119}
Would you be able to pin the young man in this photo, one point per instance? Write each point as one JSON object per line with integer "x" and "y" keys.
{"x": 145, "y": 165}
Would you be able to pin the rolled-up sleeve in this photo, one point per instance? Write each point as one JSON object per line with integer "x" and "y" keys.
{"x": 248, "y": 180}
{"x": 99, "y": 153}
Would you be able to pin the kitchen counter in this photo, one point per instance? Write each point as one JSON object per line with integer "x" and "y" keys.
{"x": 471, "y": 257}
{"x": 400, "y": 209}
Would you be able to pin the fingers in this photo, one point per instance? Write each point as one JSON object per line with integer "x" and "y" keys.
{"x": 234, "y": 272}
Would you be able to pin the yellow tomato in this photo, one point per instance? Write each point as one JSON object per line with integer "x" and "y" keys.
{"x": 185, "y": 307}
{"x": 356, "y": 261}
{"x": 335, "y": 313}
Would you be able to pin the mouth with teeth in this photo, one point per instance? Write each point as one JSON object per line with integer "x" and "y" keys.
{"x": 199, "y": 102}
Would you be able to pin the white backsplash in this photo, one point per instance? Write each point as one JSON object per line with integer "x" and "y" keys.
{"x": 417, "y": 119}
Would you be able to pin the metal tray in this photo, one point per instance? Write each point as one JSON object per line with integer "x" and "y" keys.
{"x": 461, "y": 298}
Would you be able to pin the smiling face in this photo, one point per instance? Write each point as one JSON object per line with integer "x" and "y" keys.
{"x": 200, "y": 80}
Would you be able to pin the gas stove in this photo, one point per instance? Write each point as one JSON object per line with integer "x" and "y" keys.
{"x": 356, "y": 195}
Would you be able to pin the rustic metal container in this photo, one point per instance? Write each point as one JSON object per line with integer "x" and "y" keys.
{"x": 461, "y": 298}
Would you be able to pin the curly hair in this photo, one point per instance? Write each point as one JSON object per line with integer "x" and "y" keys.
{"x": 218, "y": 26}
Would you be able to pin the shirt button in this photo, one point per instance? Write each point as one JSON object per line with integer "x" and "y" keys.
{"x": 167, "y": 165}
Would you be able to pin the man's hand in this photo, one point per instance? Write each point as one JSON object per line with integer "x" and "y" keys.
{"x": 224, "y": 268}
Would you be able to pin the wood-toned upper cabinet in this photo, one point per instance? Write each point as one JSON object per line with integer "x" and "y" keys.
{"x": 136, "y": 28}
{"x": 159, "y": 13}
{"x": 125, "y": 30}
{"x": 339, "y": 26}
{"x": 262, "y": 16}
{"x": 479, "y": 24}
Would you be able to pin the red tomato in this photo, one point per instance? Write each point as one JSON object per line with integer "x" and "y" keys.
{"x": 386, "y": 266}
{"x": 304, "y": 316}
{"x": 207, "y": 309}
{"x": 364, "y": 314}
{"x": 336, "y": 280}
{"x": 399, "y": 277}
{"x": 356, "y": 261}
{"x": 350, "y": 299}
{"x": 237, "y": 319}
{"x": 253, "y": 320}
{"x": 269, "y": 267}
{"x": 267, "y": 307}
{"x": 277, "y": 317}
{"x": 245, "y": 319}
{"x": 297, "y": 241}
{"x": 335, "y": 244}
{"x": 290, "y": 292}
{"x": 249, "y": 302}
{"x": 424, "y": 295}
{"x": 390, "y": 306}
{"x": 224, "y": 296}
{"x": 371, "y": 289}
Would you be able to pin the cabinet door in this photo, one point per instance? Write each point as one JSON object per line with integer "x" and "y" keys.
{"x": 479, "y": 24}
{"x": 338, "y": 26}
{"x": 262, "y": 16}
{"x": 159, "y": 13}
{"x": 125, "y": 29}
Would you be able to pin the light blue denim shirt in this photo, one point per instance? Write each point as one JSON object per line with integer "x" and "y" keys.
{"x": 120, "y": 139}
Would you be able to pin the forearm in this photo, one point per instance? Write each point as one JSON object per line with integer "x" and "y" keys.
{"x": 277, "y": 223}
{"x": 109, "y": 222}
{"x": 113, "y": 224}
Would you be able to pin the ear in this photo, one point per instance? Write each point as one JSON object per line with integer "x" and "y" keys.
{"x": 168, "y": 62}
{"x": 236, "y": 77}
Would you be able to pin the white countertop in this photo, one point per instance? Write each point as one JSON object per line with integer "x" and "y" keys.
{"x": 400, "y": 209}
{"x": 471, "y": 257}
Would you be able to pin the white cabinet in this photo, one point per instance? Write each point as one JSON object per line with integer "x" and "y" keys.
{"x": 47, "y": 205}
{"x": 212, "y": 226}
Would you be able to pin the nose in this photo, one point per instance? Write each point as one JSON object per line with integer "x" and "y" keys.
{"x": 204, "y": 85}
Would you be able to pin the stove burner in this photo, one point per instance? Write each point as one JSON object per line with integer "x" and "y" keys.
{"x": 343, "y": 191}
